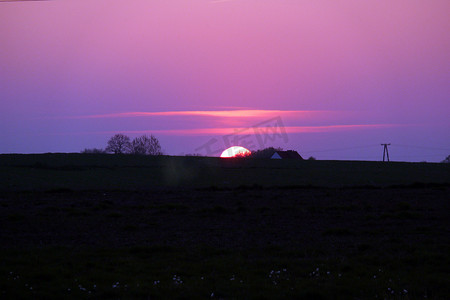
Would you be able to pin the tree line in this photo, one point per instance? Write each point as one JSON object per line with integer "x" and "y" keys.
{"x": 122, "y": 144}
{"x": 149, "y": 145}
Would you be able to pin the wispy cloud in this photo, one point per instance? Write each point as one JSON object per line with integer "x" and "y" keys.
{"x": 233, "y": 122}
{"x": 234, "y": 131}
{"x": 287, "y": 129}
{"x": 243, "y": 113}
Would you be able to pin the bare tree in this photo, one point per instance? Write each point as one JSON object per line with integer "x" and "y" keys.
{"x": 146, "y": 145}
{"x": 155, "y": 147}
{"x": 139, "y": 146}
{"x": 118, "y": 144}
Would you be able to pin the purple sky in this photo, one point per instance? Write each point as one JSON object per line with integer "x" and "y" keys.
{"x": 334, "y": 79}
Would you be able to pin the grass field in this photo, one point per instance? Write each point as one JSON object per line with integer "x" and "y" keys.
{"x": 128, "y": 172}
{"x": 130, "y": 227}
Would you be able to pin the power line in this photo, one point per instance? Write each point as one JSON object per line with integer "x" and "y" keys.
{"x": 341, "y": 149}
{"x": 421, "y": 147}
{"x": 372, "y": 146}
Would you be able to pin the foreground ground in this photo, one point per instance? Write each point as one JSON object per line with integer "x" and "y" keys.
{"x": 241, "y": 242}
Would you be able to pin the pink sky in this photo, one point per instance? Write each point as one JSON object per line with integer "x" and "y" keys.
{"x": 343, "y": 76}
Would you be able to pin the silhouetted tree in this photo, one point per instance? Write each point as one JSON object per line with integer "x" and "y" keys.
{"x": 446, "y": 160}
{"x": 311, "y": 158}
{"x": 118, "y": 144}
{"x": 93, "y": 151}
{"x": 145, "y": 145}
{"x": 264, "y": 153}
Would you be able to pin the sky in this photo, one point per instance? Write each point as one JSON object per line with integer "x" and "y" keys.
{"x": 330, "y": 79}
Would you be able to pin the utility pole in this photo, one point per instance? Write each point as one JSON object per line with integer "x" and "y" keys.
{"x": 385, "y": 151}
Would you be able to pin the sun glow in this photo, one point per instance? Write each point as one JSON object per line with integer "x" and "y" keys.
{"x": 235, "y": 151}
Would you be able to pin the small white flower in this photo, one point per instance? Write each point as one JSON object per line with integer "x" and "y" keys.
{"x": 405, "y": 291}
{"x": 212, "y": 295}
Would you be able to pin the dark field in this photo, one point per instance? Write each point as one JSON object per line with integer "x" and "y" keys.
{"x": 208, "y": 228}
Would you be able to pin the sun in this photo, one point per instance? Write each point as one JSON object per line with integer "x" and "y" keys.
{"x": 235, "y": 151}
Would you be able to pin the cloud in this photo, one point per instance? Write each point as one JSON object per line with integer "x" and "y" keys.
{"x": 250, "y": 130}
{"x": 240, "y": 115}
{"x": 243, "y": 113}
{"x": 238, "y": 122}
{"x": 287, "y": 129}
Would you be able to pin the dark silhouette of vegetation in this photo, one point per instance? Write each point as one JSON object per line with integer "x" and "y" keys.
{"x": 311, "y": 158}
{"x": 118, "y": 144}
{"x": 194, "y": 154}
{"x": 93, "y": 151}
{"x": 446, "y": 160}
{"x": 265, "y": 153}
{"x": 145, "y": 145}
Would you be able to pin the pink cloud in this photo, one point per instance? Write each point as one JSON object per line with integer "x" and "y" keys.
{"x": 244, "y": 113}
{"x": 245, "y": 131}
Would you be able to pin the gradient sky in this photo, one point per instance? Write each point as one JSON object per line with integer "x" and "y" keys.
{"x": 342, "y": 76}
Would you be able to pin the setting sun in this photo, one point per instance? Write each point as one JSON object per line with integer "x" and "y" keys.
{"x": 235, "y": 151}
